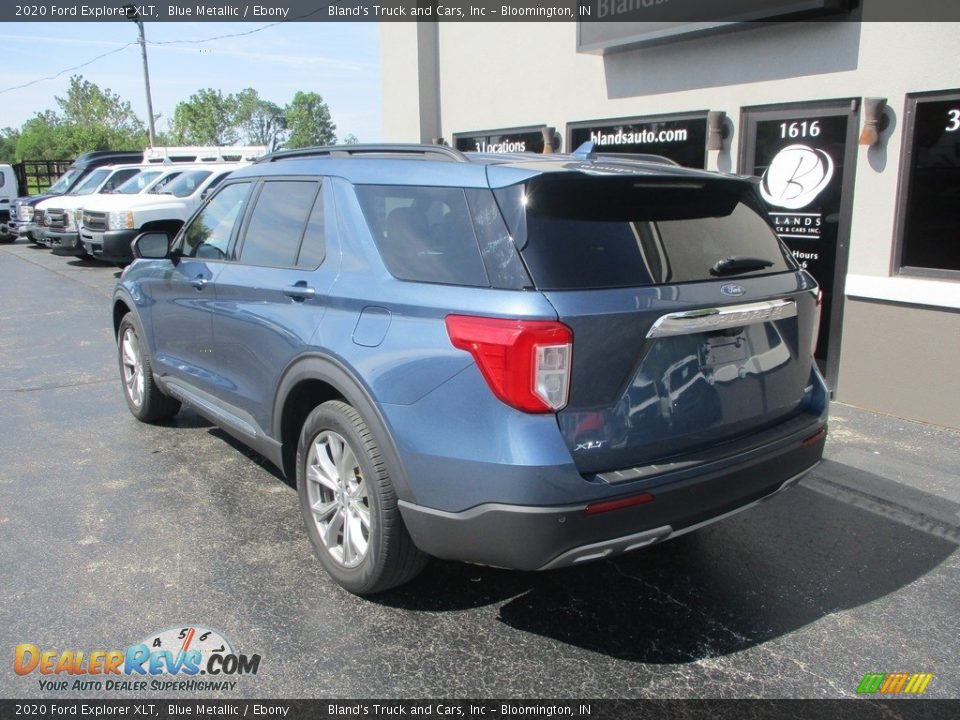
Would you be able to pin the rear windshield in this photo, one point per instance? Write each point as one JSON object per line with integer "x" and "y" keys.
{"x": 584, "y": 233}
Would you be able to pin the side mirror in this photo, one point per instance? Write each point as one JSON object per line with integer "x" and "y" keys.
{"x": 154, "y": 245}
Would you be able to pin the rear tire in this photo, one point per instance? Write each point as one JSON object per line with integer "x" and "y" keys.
{"x": 349, "y": 505}
{"x": 145, "y": 400}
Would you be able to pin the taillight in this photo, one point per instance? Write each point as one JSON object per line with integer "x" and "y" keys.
{"x": 526, "y": 363}
{"x": 816, "y": 322}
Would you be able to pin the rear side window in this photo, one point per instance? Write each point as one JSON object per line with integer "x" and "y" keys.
{"x": 278, "y": 222}
{"x": 424, "y": 234}
{"x": 586, "y": 234}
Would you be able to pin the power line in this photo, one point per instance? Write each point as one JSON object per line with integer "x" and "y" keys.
{"x": 71, "y": 69}
{"x": 216, "y": 37}
{"x": 167, "y": 42}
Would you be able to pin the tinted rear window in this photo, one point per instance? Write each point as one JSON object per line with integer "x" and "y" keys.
{"x": 589, "y": 233}
{"x": 423, "y": 233}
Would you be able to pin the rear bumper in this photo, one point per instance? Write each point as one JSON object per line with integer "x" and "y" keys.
{"x": 542, "y": 538}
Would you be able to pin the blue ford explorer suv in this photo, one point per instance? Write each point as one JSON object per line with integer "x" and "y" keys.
{"x": 520, "y": 360}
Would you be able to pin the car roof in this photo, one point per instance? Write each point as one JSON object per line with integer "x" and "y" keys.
{"x": 430, "y": 165}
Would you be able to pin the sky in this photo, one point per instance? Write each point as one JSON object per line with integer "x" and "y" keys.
{"x": 340, "y": 61}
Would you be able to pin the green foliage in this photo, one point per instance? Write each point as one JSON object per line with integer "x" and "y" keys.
{"x": 8, "y": 145}
{"x": 92, "y": 118}
{"x": 308, "y": 121}
{"x": 208, "y": 117}
{"x": 41, "y": 138}
{"x": 350, "y": 139}
{"x": 261, "y": 122}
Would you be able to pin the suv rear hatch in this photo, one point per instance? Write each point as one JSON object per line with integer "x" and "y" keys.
{"x": 692, "y": 325}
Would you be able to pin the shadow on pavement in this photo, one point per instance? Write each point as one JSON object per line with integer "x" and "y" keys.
{"x": 755, "y": 577}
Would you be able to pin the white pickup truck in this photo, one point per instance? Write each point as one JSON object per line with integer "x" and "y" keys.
{"x": 8, "y": 193}
{"x": 109, "y": 223}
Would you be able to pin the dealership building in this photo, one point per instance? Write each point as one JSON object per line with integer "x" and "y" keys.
{"x": 853, "y": 124}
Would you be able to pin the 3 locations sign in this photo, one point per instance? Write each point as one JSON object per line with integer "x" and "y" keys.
{"x": 511, "y": 140}
{"x": 680, "y": 138}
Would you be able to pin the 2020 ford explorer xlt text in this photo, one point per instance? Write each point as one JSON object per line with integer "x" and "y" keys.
{"x": 515, "y": 360}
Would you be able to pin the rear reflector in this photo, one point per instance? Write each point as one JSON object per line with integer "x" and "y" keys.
{"x": 607, "y": 506}
{"x": 814, "y": 439}
{"x": 526, "y": 363}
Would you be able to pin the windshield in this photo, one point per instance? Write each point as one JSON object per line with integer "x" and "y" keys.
{"x": 184, "y": 185}
{"x": 92, "y": 182}
{"x": 138, "y": 182}
{"x": 65, "y": 181}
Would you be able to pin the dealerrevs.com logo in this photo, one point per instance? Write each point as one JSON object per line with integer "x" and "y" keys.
{"x": 170, "y": 660}
{"x": 894, "y": 683}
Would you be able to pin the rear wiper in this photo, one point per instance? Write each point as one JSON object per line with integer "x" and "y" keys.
{"x": 735, "y": 264}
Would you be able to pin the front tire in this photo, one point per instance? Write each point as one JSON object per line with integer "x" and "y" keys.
{"x": 349, "y": 505}
{"x": 143, "y": 397}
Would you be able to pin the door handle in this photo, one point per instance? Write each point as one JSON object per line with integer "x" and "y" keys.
{"x": 299, "y": 291}
{"x": 199, "y": 282}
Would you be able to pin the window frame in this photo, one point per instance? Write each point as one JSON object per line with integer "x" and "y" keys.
{"x": 240, "y": 238}
{"x": 182, "y": 234}
{"x": 905, "y": 188}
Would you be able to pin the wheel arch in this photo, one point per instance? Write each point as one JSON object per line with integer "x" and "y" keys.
{"x": 314, "y": 379}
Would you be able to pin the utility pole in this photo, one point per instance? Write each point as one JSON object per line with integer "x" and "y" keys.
{"x": 133, "y": 14}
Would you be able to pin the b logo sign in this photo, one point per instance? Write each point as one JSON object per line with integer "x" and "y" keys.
{"x": 795, "y": 176}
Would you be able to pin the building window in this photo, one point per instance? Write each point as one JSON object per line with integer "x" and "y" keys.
{"x": 929, "y": 229}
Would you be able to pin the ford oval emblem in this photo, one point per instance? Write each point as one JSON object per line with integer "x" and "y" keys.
{"x": 732, "y": 290}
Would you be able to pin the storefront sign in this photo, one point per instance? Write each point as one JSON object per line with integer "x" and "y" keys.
{"x": 800, "y": 157}
{"x": 510, "y": 140}
{"x": 618, "y": 24}
{"x": 930, "y": 223}
{"x": 680, "y": 138}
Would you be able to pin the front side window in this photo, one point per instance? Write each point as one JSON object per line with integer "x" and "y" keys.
{"x": 118, "y": 179}
{"x": 184, "y": 185}
{"x": 278, "y": 222}
{"x": 208, "y": 235}
{"x": 930, "y": 223}
{"x": 138, "y": 182}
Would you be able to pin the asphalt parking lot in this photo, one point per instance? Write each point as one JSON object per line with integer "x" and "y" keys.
{"x": 111, "y": 531}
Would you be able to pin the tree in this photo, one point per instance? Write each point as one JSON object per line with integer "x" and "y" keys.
{"x": 8, "y": 145}
{"x": 208, "y": 117}
{"x": 261, "y": 121}
{"x": 41, "y": 138}
{"x": 350, "y": 139}
{"x": 97, "y": 119}
{"x": 308, "y": 121}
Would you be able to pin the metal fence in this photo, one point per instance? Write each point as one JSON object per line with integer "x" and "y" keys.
{"x": 35, "y": 176}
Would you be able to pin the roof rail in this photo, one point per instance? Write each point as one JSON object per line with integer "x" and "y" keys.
{"x": 411, "y": 149}
{"x": 641, "y": 157}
